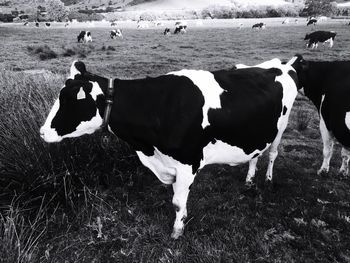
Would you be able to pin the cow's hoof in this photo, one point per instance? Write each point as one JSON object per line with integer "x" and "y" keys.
{"x": 322, "y": 172}
{"x": 249, "y": 184}
{"x": 177, "y": 233}
{"x": 343, "y": 173}
{"x": 250, "y": 189}
{"x": 268, "y": 185}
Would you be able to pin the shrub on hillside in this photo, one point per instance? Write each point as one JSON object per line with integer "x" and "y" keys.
{"x": 148, "y": 16}
{"x": 250, "y": 11}
{"x": 42, "y": 52}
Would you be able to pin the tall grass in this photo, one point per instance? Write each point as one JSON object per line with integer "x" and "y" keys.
{"x": 45, "y": 179}
{"x": 19, "y": 237}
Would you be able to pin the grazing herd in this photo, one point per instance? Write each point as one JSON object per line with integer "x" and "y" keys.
{"x": 184, "y": 120}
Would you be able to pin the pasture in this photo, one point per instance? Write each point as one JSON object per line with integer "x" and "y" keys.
{"x": 78, "y": 202}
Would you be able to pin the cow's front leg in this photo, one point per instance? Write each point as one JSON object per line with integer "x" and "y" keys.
{"x": 345, "y": 154}
{"x": 328, "y": 143}
{"x": 181, "y": 187}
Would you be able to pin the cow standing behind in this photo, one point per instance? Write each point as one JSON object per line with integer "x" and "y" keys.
{"x": 116, "y": 33}
{"x": 259, "y": 26}
{"x": 166, "y": 32}
{"x": 320, "y": 36}
{"x": 312, "y": 21}
{"x": 180, "y": 27}
{"x": 226, "y": 117}
{"x": 327, "y": 84}
{"x": 84, "y": 36}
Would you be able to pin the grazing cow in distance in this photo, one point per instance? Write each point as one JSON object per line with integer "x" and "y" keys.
{"x": 259, "y": 26}
{"x": 116, "y": 33}
{"x": 84, "y": 36}
{"x": 312, "y": 21}
{"x": 142, "y": 24}
{"x": 225, "y": 117}
{"x": 326, "y": 84}
{"x": 47, "y": 24}
{"x": 166, "y": 31}
{"x": 114, "y": 23}
{"x": 180, "y": 27}
{"x": 26, "y": 24}
{"x": 37, "y": 24}
{"x": 285, "y": 21}
{"x": 320, "y": 36}
{"x": 66, "y": 24}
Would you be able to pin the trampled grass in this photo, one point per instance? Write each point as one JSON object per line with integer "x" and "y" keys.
{"x": 78, "y": 202}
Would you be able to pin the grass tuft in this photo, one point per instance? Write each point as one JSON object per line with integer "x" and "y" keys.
{"x": 43, "y": 52}
{"x": 303, "y": 119}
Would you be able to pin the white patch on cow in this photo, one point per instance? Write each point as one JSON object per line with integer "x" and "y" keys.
{"x": 292, "y": 60}
{"x": 81, "y": 94}
{"x": 46, "y": 132}
{"x": 224, "y": 153}
{"x": 73, "y": 70}
{"x": 162, "y": 165}
{"x": 347, "y": 119}
{"x": 328, "y": 143}
{"x": 330, "y": 41}
{"x": 210, "y": 89}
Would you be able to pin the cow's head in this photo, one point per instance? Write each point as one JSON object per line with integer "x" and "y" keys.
{"x": 306, "y": 37}
{"x": 77, "y": 111}
{"x": 301, "y": 66}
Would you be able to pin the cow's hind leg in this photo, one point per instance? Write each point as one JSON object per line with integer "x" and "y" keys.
{"x": 181, "y": 187}
{"x": 251, "y": 172}
{"x": 328, "y": 143}
{"x": 273, "y": 151}
{"x": 345, "y": 154}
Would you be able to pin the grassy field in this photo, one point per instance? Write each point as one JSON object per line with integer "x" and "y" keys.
{"x": 78, "y": 202}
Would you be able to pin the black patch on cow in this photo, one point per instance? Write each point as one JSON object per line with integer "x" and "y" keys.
{"x": 284, "y": 110}
{"x": 81, "y": 35}
{"x": 163, "y": 112}
{"x": 251, "y": 106}
{"x": 80, "y": 66}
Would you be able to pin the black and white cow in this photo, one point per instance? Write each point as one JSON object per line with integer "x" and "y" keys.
{"x": 116, "y": 33}
{"x": 327, "y": 85}
{"x": 182, "y": 121}
{"x": 180, "y": 27}
{"x": 166, "y": 31}
{"x": 259, "y": 26}
{"x": 312, "y": 21}
{"x": 84, "y": 36}
{"x": 320, "y": 36}
{"x": 37, "y": 24}
{"x": 47, "y": 24}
